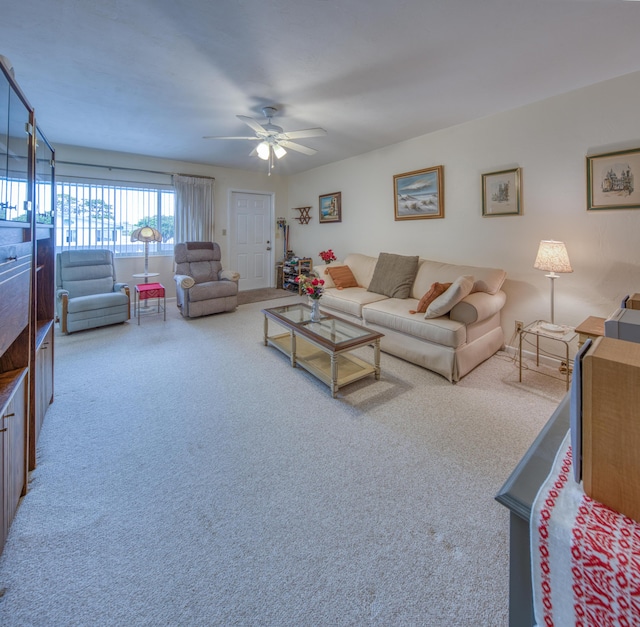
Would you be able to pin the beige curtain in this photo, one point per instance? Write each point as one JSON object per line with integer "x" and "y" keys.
{"x": 194, "y": 208}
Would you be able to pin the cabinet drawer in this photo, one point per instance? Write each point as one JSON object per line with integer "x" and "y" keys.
{"x": 15, "y": 288}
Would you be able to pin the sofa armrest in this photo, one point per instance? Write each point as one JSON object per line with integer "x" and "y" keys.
{"x": 228, "y": 275}
{"x": 118, "y": 287}
{"x": 184, "y": 281}
{"x": 478, "y": 306}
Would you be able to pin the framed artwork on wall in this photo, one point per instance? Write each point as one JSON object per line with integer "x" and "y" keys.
{"x": 502, "y": 193}
{"x": 330, "y": 208}
{"x": 419, "y": 195}
{"x": 610, "y": 180}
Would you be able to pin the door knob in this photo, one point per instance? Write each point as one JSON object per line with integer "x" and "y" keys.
{"x": 268, "y": 247}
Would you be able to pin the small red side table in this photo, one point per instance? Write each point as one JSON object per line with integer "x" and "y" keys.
{"x": 145, "y": 291}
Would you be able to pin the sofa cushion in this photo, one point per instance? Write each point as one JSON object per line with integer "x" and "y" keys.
{"x": 488, "y": 280}
{"x": 392, "y": 313}
{"x": 436, "y": 290}
{"x": 349, "y": 300}
{"x": 442, "y": 305}
{"x": 342, "y": 276}
{"x": 394, "y": 275}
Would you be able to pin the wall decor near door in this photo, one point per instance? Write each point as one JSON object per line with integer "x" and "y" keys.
{"x": 419, "y": 195}
{"x": 610, "y": 180}
{"x": 501, "y": 193}
{"x": 330, "y": 208}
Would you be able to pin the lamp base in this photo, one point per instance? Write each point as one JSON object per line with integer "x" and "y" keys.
{"x": 554, "y": 328}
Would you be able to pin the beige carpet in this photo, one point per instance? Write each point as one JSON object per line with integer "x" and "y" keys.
{"x": 189, "y": 476}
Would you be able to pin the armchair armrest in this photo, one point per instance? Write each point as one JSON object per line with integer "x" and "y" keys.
{"x": 184, "y": 281}
{"x": 124, "y": 287}
{"x": 228, "y": 275}
{"x": 63, "y": 297}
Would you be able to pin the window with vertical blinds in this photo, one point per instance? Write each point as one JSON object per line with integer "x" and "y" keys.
{"x": 103, "y": 215}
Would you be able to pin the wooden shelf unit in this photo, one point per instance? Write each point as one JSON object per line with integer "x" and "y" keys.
{"x": 292, "y": 268}
{"x": 27, "y": 284}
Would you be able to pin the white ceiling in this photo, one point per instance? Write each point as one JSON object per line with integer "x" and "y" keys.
{"x": 153, "y": 76}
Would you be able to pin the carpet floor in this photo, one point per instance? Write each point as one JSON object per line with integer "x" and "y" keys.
{"x": 188, "y": 475}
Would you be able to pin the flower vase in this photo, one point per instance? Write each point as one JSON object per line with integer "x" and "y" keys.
{"x": 315, "y": 310}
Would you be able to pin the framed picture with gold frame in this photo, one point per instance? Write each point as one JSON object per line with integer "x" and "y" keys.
{"x": 502, "y": 193}
{"x": 330, "y": 208}
{"x": 611, "y": 180}
{"x": 419, "y": 195}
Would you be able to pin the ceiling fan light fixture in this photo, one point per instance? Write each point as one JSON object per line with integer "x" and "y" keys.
{"x": 263, "y": 151}
{"x": 279, "y": 151}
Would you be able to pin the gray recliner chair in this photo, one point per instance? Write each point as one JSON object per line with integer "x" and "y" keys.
{"x": 202, "y": 286}
{"x": 87, "y": 293}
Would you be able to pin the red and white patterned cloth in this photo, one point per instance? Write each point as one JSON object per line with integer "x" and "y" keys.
{"x": 585, "y": 557}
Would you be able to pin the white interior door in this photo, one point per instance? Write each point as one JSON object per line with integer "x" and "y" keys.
{"x": 251, "y": 238}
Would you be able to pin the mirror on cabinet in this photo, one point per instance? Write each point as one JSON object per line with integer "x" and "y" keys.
{"x": 15, "y": 122}
{"x": 44, "y": 204}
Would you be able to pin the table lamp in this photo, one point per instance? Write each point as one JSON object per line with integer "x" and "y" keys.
{"x": 146, "y": 234}
{"x": 552, "y": 257}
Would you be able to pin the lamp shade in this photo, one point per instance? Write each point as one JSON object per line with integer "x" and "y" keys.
{"x": 552, "y": 257}
{"x": 279, "y": 151}
{"x": 263, "y": 149}
{"x": 146, "y": 234}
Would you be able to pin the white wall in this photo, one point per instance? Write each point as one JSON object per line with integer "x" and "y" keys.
{"x": 549, "y": 140}
{"x": 226, "y": 181}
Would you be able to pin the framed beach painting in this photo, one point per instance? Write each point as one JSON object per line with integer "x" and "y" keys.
{"x": 419, "y": 195}
{"x": 611, "y": 180}
{"x": 330, "y": 208}
{"x": 501, "y": 193}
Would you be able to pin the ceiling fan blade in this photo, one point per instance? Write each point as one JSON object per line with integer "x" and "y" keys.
{"x": 220, "y": 137}
{"x": 305, "y": 132}
{"x": 297, "y": 147}
{"x": 251, "y": 123}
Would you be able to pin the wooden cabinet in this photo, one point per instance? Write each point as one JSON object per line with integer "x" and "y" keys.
{"x": 43, "y": 381}
{"x": 13, "y": 439}
{"x": 27, "y": 284}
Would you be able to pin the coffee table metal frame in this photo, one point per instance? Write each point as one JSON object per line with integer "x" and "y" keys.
{"x": 322, "y": 347}
{"x": 565, "y": 337}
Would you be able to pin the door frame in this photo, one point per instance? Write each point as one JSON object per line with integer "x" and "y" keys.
{"x": 231, "y": 226}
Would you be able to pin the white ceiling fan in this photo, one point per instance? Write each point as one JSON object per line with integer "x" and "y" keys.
{"x": 272, "y": 139}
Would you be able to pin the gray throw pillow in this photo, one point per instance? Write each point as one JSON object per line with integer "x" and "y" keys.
{"x": 394, "y": 275}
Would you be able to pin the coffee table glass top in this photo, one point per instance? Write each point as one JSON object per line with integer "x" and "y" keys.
{"x": 332, "y": 329}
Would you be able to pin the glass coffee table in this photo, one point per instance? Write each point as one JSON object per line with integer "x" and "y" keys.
{"x": 322, "y": 348}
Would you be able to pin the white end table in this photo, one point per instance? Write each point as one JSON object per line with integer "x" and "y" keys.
{"x": 145, "y": 275}
{"x": 565, "y": 336}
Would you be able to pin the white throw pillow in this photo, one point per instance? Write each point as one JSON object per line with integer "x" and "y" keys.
{"x": 442, "y": 305}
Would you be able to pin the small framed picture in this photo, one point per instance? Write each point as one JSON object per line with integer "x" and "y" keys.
{"x": 610, "y": 180}
{"x": 501, "y": 193}
{"x": 330, "y": 208}
{"x": 419, "y": 195}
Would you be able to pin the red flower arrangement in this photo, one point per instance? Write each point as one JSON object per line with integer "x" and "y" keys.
{"x": 327, "y": 256}
{"x": 311, "y": 286}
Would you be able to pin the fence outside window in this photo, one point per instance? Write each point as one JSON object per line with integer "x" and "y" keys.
{"x": 93, "y": 215}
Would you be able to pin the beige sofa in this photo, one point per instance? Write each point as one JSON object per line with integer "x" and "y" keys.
{"x": 451, "y": 344}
